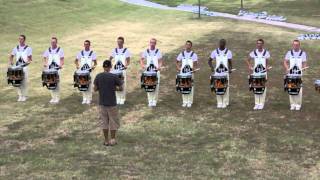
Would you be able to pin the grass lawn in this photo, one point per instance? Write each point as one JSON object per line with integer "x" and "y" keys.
{"x": 297, "y": 11}
{"x": 41, "y": 141}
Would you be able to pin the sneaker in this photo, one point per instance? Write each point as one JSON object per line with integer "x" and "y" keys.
{"x": 224, "y": 106}
{"x": 56, "y": 101}
{"x": 189, "y": 105}
{"x": 256, "y": 107}
{"x": 52, "y": 101}
{"x": 261, "y": 106}
{"x": 292, "y": 107}
{"x": 23, "y": 99}
{"x": 298, "y": 107}
{"x": 150, "y": 104}
{"x": 154, "y": 103}
{"x": 184, "y": 104}
{"x": 19, "y": 99}
{"x": 219, "y": 106}
{"x": 88, "y": 102}
{"x": 84, "y": 101}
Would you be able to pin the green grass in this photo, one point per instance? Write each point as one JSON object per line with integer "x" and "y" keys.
{"x": 297, "y": 11}
{"x": 41, "y": 141}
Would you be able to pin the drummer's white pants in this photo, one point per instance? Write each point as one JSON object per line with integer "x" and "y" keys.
{"x": 55, "y": 94}
{"x": 87, "y": 95}
{"x": 121, "y": 95}
{"x": 23, "y": 89}
{"x": 224, "y": 99}
{"x": 296, "y": 99}
{"x": 153, "y": 96}
{"x": 260, "y": 99}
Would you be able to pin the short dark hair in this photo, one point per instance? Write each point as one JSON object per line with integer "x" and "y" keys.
{"x": 87, "y": 41}
{"x": 189, "y": 42}
{"x": 23, "y": 36}
{"x": 107, "y": 64}
{"x": 261, "y": 40}
{"x": 55, "y": 38}
{"x": 296, "y": 40}
{"x": 121, "y": 38}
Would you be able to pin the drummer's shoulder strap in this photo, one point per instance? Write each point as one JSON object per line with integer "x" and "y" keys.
{"x": 124, "y": 50}
{"x": 148, "y": 52}
{"x": 183, "y": 54}
{"x": 49, "y": 49}
{"x": 225, "y": 53}
{"x": 116, "y": 50}
{"x": 218, "y": 53}
{"x": 292, "y": 53}
{"x": 255, "y": 53}
{"x": 82, "y": 53}
{"x": 264, "y": 53}
{"x": 23, "y": 48}
{"x": 90, "y": 54}
{"x": 157, "y": 50}
{"x": 301, "y": 53}
{"x": 192, "y": 54}
{"x": 58, "y": 50}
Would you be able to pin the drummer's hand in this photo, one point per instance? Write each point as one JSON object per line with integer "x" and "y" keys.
{"x": 77, "y": 67}
{"x": 60, "y": 67}
{"x": 93, "y": 67}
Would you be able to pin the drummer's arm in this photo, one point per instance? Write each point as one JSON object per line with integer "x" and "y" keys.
{"x": 248, "y": 61}
{"x": 210, "y": 63}
{"x": 29, "y": 59}
{"x": 45, "y": 62}
{"x": 267, "y": 64}
{"x": 195, "y": 64}
{"x": 304, "y": 64}
{"x": 178, "y": 65}
{"x": 286, "y": 65}
{"x": 61, "y": 62}
{"x": 160, "y": 64}
{"x": 95, "y": 63}
{"x": 76, "y": 62}
{"x": 230, "y": 65}
{"x": 142, "y": 62}
{"x": 11, "y": 59}
{"x": 127, "y": 61}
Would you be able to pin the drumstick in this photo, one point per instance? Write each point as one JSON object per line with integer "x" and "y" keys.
{"x": 305, "y": 68}
{"x": 195, "y": 70}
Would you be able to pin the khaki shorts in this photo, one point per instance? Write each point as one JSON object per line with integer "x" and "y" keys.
{"x": 108, "y": 118}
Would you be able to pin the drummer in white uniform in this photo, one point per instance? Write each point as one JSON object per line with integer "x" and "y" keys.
{"x": 23, "y": 55}
{"x": 54, "y": 59}
{"x": 121, "y": 56}
{"x": 223, "y": 61}
{"x": 260, "y": 66}
{"x": 86, "y": 61}
{"x": 187, "y": 61}
{"x": 294, "y": 63}
{"x": 152, "y": 56}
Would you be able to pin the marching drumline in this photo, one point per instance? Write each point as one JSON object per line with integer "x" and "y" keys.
{"x": 151, "y": 63}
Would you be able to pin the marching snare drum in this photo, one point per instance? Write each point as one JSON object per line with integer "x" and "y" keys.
{"x": 119, "y": 74}
{"x": 184, "y": 83}
{"x": 219, "y": 83}
{"x": 293, "y": 84}
{"x": 257, "y": 83}
{"x": 82, "y": 80}
{"x": 15, "y": 76}
{"x": 149, "y": 81}
{"x": 50, "y": 78}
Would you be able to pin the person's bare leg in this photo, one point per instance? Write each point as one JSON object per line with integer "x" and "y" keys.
{"x": 105, "y": 133}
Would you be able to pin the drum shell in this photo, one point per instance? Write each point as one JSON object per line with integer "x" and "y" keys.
{"x": 219, "y": 84}
{"x": 82, "y": 80}
{"x": 184, "y": 83}
{"x": 149, "y": 81}
{"x": 292, "y": 84}
{"x": 50, "y": 79}
{"x": 15, "y": 76}
{"x": 317, "y": 85}
{"x": 257, "y": 83}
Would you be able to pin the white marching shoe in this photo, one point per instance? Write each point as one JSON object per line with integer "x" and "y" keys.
{"x": 292, "y": 107}
{"x": 260, "y": 106}
{"x": 19, "y": 98}
{"x": 298, "y": 107}
{"x": 84, "y": 101}
{"x": 189, "y": 105}
{"x": 256, "y": 107}
{"x": 184, "y": 104}
{"x": 219, "y": 106}
{"x": 23, "y": 99}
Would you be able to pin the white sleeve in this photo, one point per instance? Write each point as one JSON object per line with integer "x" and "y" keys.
{"x": 287, "y": 57}
{"x": 29, "y": 51}
{"x": 304, "y": 57}
{"x": 128, "y": 54}
{"x": 213, "y": 55}
{"x": 14, "y": 51}
{"x": 159, "y": 54}
{"x": 252, "y": 55}
{"x": 113, "y": 53}
{"x": 268, "y": 55}
{"x": 79, "y": 56}
{"x": 229, "y": 55}
{"x": 61, "y": 53}
{"x": 144, "y": 55}
{"x": 94, "y": 56}
{"x": 179, "y": 58}
{"x": 195, "y": 57}
{"x": 46, "y": 54}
